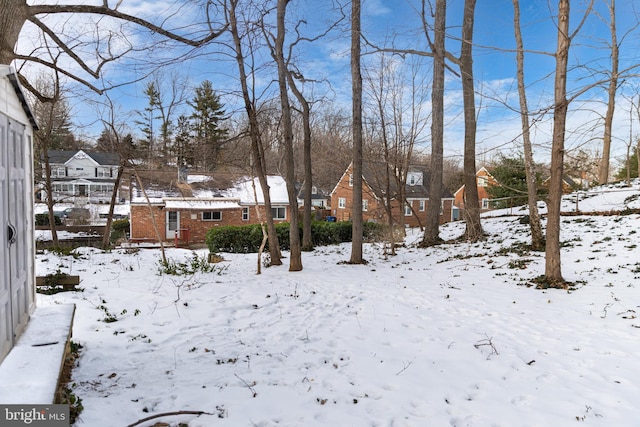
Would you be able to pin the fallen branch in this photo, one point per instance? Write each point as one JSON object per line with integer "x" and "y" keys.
{"x": 248, "y": 385}
{"x": 169, "y": 414}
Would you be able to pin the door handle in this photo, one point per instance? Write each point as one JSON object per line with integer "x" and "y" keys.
{"x": 12, "y": 234}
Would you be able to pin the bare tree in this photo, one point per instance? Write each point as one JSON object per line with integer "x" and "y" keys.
{"x": 123, "y": 146}
{"x": 603, "y": 175}
{"x": 51, "y": 117}
{"x": 553, "y": 270}
{"x": 356, "y": 92}
{"x": 537, "y": 237}
{"x": 257, "y": 146}
{"x": 431, "y": 230}
{"x": 473, "y": 225}
{"x": 108, "y": 46}
{"x": 295, "y": 263}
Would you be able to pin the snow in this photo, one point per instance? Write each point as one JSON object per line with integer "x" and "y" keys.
{"x": 36, "y": 357}
{"x": 447, "y": 336}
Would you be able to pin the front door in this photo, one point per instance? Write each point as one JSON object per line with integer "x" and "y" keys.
{"x": 173, "y": 224}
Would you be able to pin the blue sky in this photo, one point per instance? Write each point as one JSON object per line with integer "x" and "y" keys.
{"x": 327, "y": 60}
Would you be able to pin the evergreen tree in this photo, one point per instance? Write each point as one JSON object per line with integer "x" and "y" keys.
{"x": 207, "y": 116}
{"x": 633, "y": 165}
{"x": 512, "y": 182}
{"x": 147, "y": 119}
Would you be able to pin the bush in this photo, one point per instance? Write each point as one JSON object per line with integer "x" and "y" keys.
{"x": 119, "y": 229}
{"x": 42, "y": 219}
{"x": 247, "y": 238}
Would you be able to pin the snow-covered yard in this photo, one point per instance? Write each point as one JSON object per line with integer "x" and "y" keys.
{"x": 448, "y": 336}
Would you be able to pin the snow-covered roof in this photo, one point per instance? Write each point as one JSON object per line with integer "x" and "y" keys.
{"x": 201, "y": 204}
{"x": 244, "y": 191}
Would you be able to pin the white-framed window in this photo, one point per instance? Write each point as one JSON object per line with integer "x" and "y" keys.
{"x": 407, "y": 208}
{"x": 245, "y": 214}
{"x": 365, "y": 204}
{"x": 212, "y": 216}
{"x": 350, "y": 180}
{"x": 482, "y": 181}
{"x": 279, "y": 213}
{"x": 485, "y": 203}
{"x": 412, "y": 179}
{"x": 102, "y": 172}
{"x": 423, "y": 205}
{"x": 441, "y": 207}
{"x": 342, "y": 203}
{"x": 58, "y": 171}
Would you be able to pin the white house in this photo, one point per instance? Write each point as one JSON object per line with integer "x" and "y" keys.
{"x": 82, "y": 176}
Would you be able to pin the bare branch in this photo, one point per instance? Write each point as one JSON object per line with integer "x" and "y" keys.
{"x": 106, "y": 11}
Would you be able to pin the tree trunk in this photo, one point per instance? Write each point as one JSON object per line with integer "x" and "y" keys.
{"x": 356, "y": 90}
{"x": 295, "y": 261}
{"x": 431, "y": 229}
{"x": 114, "y": 195}
{"x": 49, "y": 191}
{"x": 603, "y": 173}
{"x": 307, "y": 241}
{"x": 553, "y": 270}
{"x": 473, "y": 230}
{"x": 13, "y": 15}
{"x": 537, "y": 237}
{"x": 257, "y": 149}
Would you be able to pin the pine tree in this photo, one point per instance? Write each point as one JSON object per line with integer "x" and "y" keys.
{"x": 207, "y": 116}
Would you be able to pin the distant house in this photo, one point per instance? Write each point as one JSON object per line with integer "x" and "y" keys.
{"x": 484, "y": 180}
{"x": 189, "y": 218}
{"x": 80, "y": 176}
{"x": 413, "y": 212}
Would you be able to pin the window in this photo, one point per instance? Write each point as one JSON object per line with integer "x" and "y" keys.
{"x": 279, "y": 213}
{"x": 485, "y": 203}
{"x": 350, "y": 180}
{"x": 422, "y": 205}
{"x": 103, "y": 172}
{"x": 342, "y": 202}
{"x": 441, "y": 207}
{"x": 365, "y": 204}
{"x": 58, "y": 171}
{"x": 482, "y": 181}
{"x": 407, "y": 209}
{"x": 412, "y": 180}
{"x": 212, "y": 216}
{"x": 245, "y": 214}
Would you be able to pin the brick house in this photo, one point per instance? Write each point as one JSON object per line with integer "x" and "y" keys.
{"x": 484, "y": 180}
{"x": 193, "y": 216}
{"x": 414, "y": 211}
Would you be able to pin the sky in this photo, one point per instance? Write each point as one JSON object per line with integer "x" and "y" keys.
{"x": 448, "y": 336}
{"x": 397, "y": 22}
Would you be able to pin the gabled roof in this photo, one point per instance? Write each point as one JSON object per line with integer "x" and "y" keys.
{"x": 13, "y": 79}
{"x": 373, "y": 173}
{"x": 103, "y": 159}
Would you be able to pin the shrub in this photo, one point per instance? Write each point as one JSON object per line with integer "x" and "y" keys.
{"x": 119, "y": 229}
{"x": 42, "y": 219}
{"x": 247, "y": 238}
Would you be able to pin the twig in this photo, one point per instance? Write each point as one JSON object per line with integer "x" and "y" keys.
{"x": 248, "y": 385}
{"x": 406, "y": 365}
{"x": 489, "y": 343}
{"x": 167, "y": 414}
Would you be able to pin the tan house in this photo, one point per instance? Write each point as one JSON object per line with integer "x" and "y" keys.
{"x": 414, "y": 211}
{"x": 189, "y": 218}
{"x": 484, "y": 180}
